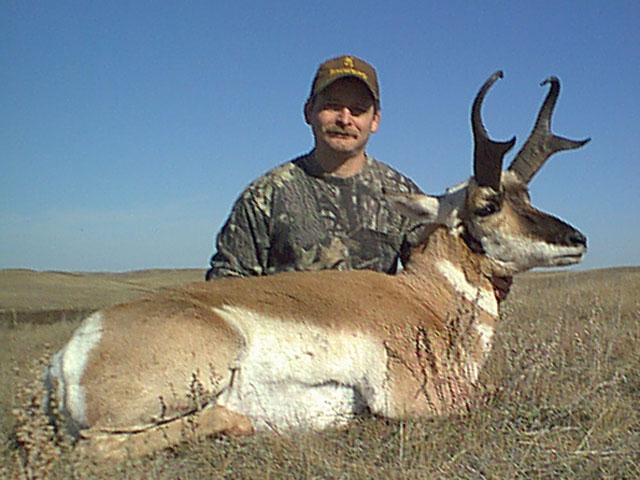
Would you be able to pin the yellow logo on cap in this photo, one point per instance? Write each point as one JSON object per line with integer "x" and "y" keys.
{"x": 348, "y": 67}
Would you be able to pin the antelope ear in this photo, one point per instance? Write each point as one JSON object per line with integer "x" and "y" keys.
{"x": 424, "y": 208}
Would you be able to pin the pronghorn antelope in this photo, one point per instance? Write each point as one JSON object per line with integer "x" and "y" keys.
{"x": 312, "y": 350}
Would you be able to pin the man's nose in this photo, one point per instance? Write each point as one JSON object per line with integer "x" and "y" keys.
{"x": 344, "y": 115}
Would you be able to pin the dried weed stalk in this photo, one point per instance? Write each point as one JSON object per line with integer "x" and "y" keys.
{"x": 39, "y": 441}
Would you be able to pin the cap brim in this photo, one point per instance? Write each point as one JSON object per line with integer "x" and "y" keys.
{"x": 322, "y": 85}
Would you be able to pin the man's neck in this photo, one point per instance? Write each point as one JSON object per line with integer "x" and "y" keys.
{"x": 339, "y": 166}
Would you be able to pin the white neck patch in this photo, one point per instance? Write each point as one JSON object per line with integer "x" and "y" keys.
{"x": 484, "y": 299}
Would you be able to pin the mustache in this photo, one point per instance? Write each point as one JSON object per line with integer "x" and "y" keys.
{"x": 341, "y": 131}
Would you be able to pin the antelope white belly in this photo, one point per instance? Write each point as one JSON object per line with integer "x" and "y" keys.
{"x": 297, "y": 375}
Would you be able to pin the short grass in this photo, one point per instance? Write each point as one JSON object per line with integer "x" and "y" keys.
{"x": 561, "y": 400}
{"x": 46, "y": 296}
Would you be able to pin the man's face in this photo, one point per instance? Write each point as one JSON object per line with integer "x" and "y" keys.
{"x": 343, "y": 117}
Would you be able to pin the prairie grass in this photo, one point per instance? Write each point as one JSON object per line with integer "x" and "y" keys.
{"x": 561, "y": 399}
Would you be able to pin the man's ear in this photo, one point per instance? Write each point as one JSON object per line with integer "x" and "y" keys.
{"x": 423, "y": 208}
{"x": 308, "y": 107}
{"x": 376, "y": 121}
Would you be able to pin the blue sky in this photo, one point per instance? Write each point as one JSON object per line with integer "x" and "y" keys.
{"x": 128, "y": 129}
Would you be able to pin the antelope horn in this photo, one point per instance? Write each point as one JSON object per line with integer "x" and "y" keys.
{"x": 541, "y": 143}
{"x": 487, "y": 153}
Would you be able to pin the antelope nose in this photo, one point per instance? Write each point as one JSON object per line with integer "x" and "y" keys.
{"x": 577, "y": 238}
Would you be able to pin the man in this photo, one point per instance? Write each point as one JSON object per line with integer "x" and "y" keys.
{"x": 323, "y": 210}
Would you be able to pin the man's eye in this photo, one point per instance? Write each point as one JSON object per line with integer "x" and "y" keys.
{"x": 333, "y": 106}
{"x": 355, "y": 110}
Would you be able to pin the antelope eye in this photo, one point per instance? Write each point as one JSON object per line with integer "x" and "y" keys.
{"x": 487, "y": 210}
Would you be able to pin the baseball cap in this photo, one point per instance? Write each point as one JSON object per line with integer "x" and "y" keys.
{"x": 346, "y": 66}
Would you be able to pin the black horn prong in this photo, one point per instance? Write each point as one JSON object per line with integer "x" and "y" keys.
{"x": 487, "y": 153}
{"x": 542, "y": 143}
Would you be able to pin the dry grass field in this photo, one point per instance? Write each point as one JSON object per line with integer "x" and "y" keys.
{"x": 560, "y": 398}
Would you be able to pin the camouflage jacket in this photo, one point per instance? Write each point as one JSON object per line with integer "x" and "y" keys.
{"x": 296, "y": 218}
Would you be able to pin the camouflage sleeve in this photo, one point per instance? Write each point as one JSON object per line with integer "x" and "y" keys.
{"x": 242, "y": 244}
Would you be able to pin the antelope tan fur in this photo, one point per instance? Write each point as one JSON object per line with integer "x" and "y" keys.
{"x": 312, "y": 350}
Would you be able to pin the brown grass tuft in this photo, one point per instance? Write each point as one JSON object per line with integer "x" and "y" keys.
{"x": 37, "y": 444}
